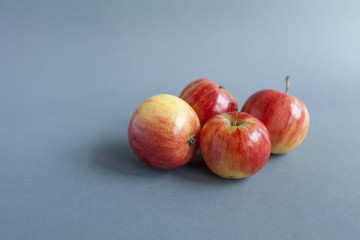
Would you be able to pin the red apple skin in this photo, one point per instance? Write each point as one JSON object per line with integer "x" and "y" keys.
{"x": 286, "y": 118}
{"x": 208, "y": 99}
{"x": 235, "y": 151}
{"x": 164, "y": 131}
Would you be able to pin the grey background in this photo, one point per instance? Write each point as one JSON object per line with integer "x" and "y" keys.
{"x": 73, "y": 72}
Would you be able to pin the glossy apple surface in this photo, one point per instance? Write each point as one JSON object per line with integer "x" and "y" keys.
{"x": 164, "y": 131}
{"x": 235, "y": 150}
{"x": 286, "y": 118}
{"x": 208, "y": 99}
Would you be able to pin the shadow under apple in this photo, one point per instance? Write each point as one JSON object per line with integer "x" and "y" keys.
{"x": 276, "y": 156}
{"x": 196, "y": 171}
{"x": 117, "y": 157}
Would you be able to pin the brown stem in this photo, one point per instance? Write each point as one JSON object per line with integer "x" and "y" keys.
{"x": 287, "y": 84}
{"x": 236, "y": 115}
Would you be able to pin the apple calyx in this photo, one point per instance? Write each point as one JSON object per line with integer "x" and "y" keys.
{"x": 191, "y": 140}
{"x": 221, "y": 87}
{"x": 287, "y": 79}
{"x": 236, "y": 115}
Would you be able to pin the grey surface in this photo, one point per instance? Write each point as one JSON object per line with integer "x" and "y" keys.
{"x": 73, "y": 72}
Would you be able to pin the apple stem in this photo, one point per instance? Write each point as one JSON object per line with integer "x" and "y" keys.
{"x": 191, "y": 140}
{"x": 236, "y": 115}
{"x": 287, "y": 84}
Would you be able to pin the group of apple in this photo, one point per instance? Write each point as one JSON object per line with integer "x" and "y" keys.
{"x": 165, "y": 130}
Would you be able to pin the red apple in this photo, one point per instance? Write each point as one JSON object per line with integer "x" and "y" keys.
{"x": 164, "y": 131}
{"x": 235, "y": 145}
{"x": 285, "y": 116}
{"x": 208, "y": 99}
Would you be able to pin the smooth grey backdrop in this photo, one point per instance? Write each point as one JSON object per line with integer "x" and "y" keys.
{"x": 73, "y": 72}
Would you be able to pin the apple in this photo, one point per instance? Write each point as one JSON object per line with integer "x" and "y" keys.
{"x": 208, "y": 98}
{"x": 235, "y": 145}
{"x": 285, "y": 116}
{"x": 164, "y": 131}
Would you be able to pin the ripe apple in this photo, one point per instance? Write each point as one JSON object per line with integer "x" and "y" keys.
{"x": 235, "y": 145}
{"x": 164, "y": 131}
{"x": 285, "y": 116}
{"x": 208, "y": 99}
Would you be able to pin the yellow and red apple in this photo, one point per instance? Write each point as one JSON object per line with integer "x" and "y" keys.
{"x": 285, "y": 116}
{"x": 208, "y": 98}
{"x": 235, "y": 145}
{"x": 164, "y": 132}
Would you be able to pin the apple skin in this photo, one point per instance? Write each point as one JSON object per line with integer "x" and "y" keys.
{"x": 164, "y": 131}
{"x": 208, "y": 98}
{"x": 235, "y": 151}
{"x": 286, "y": 118}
